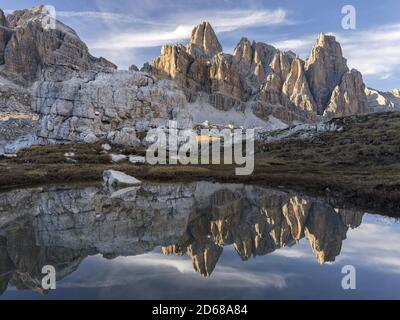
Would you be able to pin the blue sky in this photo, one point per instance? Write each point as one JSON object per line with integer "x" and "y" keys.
{"x": 131, "y": 32}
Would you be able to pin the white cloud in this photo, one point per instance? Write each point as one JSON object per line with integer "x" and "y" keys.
{"x": 142, "y": 39}
{"x": 107, "y": 16}
{"x": 375, "y": 51}
{"x": 155, "y": 265}
{"x": 169, "y": 32}
{"x": 373, "y": 245}
{"x": 301, "y": 46}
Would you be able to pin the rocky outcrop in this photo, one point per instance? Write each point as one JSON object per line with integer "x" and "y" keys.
{"x": 296, "y": 87}
{"x": 225, "y": 78}
{"x": 106, "y": 106}
{"x": 117, "y": 179}
{"x": 176, "y": 63}
{"x": 254, "y": 61}
{"x": 80, "y": 98}
{"x": 380, "y": 101}
{"x": 349, "y": 97}
{"x": 204, "y": 42}
{"x": 262, "y": 79}
{"x": 15, "y": 100}
{"x": 325, "y": 68}
{"x": 36, "y": 51}
{"x": 5, "y": 34}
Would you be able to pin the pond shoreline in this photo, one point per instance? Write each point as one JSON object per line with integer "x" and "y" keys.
{"x": 370, "y": 189}
{"x": 359, "y": 165}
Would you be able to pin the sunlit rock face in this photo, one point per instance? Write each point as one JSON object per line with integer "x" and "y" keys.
{"x": 204, "y": 42}
{"x": 258, "y": 221}
{"x": 49, "y": 72}
{"x": 107, "y": 106}
{"x": 383, "y": 101}
{"x": 61, "y": 227}
{"x": 349, "y": 97}
{"x": 264, "y": 79}
{"x": 35, "y": 51}
{"x": 325, "y": 68}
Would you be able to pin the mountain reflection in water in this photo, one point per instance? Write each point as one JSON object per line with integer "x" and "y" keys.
{"x": 63, "y": 226}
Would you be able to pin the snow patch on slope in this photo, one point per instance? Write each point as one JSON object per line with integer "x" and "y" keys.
{"x": 202, "y": 112}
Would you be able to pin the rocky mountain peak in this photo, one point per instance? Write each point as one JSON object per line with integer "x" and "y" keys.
{"x": 204, "y": 41}
{"x": 256, "y": 86}
{"x": 243, "y": 51}
{"x": 32, "y": 51}
{"x": 324, "y": 69}
{"x": 263, "y": 78}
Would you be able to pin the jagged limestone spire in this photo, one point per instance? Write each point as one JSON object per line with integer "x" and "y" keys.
{"x": 324, "y": 69}
{"x": 204, "y": 41}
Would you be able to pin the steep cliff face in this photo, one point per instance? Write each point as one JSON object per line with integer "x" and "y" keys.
{"x": 176, "y": 63}
{"x": 80, "y": 98}
{"x": 273, "y": 82}
{"x": 5, "y": 33}
{"x": 35, "y": 51}
{"x": 105, "y": 106}
{"x": 77, "y": 97}
{"x": 204, "y": 42}
{"x": 325, "y": 68}
{"x": 348, "y": 98}
{"x": 380, "y": 101}
{"x": 296, "y": 87}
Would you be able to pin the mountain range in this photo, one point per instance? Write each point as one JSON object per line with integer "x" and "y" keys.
{"x": 48, "y": 76}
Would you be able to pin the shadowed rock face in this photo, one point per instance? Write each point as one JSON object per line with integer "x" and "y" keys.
{"x": 36, "y": 51}
{"x": 61, "y": 227}
{"x": 5, "y": 34}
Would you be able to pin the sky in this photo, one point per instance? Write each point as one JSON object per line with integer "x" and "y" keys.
{"x": 130, "y": 32}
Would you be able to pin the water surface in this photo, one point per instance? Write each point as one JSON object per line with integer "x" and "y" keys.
{"x": 192, "y": 241}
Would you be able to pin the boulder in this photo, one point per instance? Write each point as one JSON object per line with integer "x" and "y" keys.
{"x": 117, "y": 158}
{"x": 137, "y": 159}
{"x": 114, "y": 178}
{"x": 106, "y": 147}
